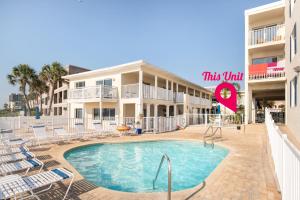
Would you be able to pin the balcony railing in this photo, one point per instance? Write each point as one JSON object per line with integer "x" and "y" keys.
{"x": 266, "y": 35}
{"x": 267, "y": 70}
{"x": 199, "y": 101}
{"x": 178, "y": 97}
{"x": 132, "y": 91}
{"x": 103, "y": 92}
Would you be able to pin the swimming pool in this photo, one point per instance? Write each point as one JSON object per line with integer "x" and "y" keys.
{"x": 131, "y": 167}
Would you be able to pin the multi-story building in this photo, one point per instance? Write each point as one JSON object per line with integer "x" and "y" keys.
{"x": 292, "y": 46}
{"x": 59, "y": 107}
{"x": 265, "y": 63}
{"x": 136, "y": 90}
{"x": 16, "y": 102}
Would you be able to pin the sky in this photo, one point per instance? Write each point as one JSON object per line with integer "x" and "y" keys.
{"x": 180, "y": 36}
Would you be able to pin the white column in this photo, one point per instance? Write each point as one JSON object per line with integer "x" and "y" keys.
{"x": 69, "y": 116}
{"x": 186, "y": 89}
{"x": 155, "y": 86}
{"x": 100, "y": 111}
{"x": 175, "y": 110}
{"x": 167, "y": 89}
{"x": 140, "y": 84}
{"x": 194, "y": 92}
{"x": 148, "y": 116}
{"x": 167, "y": 110}
{"x": 176, "y": 87}
{"x": 155, "y": 118}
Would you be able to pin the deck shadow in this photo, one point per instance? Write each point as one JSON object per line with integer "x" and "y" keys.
{"x": 44, "y": 157}
{"x": 58, "y": 190}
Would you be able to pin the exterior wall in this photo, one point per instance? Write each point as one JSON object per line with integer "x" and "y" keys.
{"x": 138, "y": 73}
{"x": 293, "y": 114}
{"x": 262, "y": 16}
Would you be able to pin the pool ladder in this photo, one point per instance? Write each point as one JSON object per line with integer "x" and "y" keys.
{"x": 165, "y": 156}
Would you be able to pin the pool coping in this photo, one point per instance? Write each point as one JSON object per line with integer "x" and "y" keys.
{"x": 211, "y": 177}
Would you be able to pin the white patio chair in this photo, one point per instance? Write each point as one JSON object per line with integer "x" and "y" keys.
{"x": 81, "y": 132}
{"x": 9, "y": 168}
{"x": 98, "y": 128}
{"x": 40, "y": 134}
{"x": 14, "y": 186}
{"x": 62, "y": 135}
{"x": 16, "y": 157}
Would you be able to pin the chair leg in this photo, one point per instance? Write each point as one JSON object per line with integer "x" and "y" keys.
{"x": 69, "y": 187}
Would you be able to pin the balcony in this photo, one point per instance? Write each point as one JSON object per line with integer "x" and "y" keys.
{"x": 101, "y": 92}
{"x": 132, "y": 91}
{"x": 267, "y": 71}
{"x": 199, "y": 101}
{"x": 267, "y": 35}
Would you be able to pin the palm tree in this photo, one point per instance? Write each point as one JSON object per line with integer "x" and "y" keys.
{"x": 39, "y": 87}
{"x": 52, "y": 74}
{"x": 22, "y": 75}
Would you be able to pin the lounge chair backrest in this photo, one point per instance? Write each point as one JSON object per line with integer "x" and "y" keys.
{"x": 79, "y": 128}
{"x": 40, "y": 132}
{"x": 7, "y": 134}
{"x": 97, "y": 126}
{"x": 60, "y": 131}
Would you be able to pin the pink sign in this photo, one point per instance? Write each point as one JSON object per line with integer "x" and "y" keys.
{"x": 230, "y": 102}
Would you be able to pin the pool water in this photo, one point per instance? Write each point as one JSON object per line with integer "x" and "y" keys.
{"x": 131, "y": 167}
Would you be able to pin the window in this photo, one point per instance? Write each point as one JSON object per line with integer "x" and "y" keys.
{"x": 55, "y": 111}
{"x": 78, "y": 113}
{"x": 96, "y": 114}
{"x": 264, "y": 60}
{"x": 80, "y": 84}
{"x": 107, "y": 113}
{"x": 293, "y": 43}
{"x": 66, "y": 94}
{"x": 293, "y": 92}
{"x": 60, "y": 111}
{"x": 107, "y": 82}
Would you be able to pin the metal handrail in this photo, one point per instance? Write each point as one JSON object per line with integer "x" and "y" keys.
{"x": 165, "y": 156}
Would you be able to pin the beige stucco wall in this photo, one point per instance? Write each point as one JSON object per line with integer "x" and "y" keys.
{"x": 293, "y": 114}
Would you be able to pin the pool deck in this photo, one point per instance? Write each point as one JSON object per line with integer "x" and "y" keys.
{"x": 246, "y": 173}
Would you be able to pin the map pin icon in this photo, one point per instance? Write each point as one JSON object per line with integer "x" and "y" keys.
{"x": 230, "y": 102}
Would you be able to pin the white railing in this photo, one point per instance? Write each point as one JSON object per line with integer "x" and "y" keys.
{"x": 280, "y": 74}
{"x": 286, "y": 159}
{"x": 163, "y": 124}
{"x": 130, "y": 91}
{"x": 161, "y": 93}
{"x": 210, "y": 119}
{"x": 266, "y": 35}
{"x": 178, "y": 97}
{"x": 200, "y": 101}
{"x": 104, "y": 92}
{"x": 148, "y": 91}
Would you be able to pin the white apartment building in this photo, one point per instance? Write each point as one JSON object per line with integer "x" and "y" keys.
{"x": 137, "y": 90}
{"x": 60, "y": 106}
{"x": 272, "y": 63}
{"x": 265, "y": 63}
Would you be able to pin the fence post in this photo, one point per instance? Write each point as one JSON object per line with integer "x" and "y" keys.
{"x": 19, "y": 122}
{"x": 205, "y": 119}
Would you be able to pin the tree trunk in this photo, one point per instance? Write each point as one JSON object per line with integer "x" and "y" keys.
{"x": 51, "y": 99}
{"x": 41, "y": 104}
{"x": 27, "y": 103}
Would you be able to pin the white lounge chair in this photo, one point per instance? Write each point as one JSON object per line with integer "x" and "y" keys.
{"x": 61, "y": 134}
{"x": 81, "y": 132}
{"x": 40, "y": 134}
{"x": 12, "y": 150}
{"x": 14, "y": 167}
{"x": 98, "y": 128}
{"x": 16, "y": 157}
{"x": 8, "y": 138}
{"x": 14, "y": 186}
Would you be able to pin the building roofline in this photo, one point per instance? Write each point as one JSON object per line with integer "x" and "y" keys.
{"x": 139, "y": 63}
{"x": 264, "y": 8}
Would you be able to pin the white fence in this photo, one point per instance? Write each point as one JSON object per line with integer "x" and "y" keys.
{"x": 286, "y": 159}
